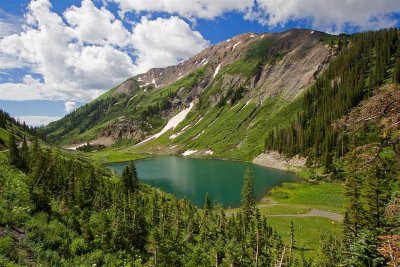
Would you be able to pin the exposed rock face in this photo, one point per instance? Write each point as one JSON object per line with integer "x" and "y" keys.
{"x": 126, "y": 87}
{"x": 124, "y": 129}
{"x": 301, "y": 57}
{"x": 225, "y": 52}
{"x": 274, "y": 159}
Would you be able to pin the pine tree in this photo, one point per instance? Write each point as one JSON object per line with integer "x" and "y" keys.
{"x": 15, "y": 158}
{"x": 354, "y": 208}
{"x": 376, "y": 194}
{"x": 129, "y": 178}
{"x": 24, "y": 152}
{"x": 396, "y": 71}
{"x": 207, "y": 202}
{"x": 248, "y": 201}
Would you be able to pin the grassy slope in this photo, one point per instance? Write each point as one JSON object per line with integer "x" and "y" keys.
{"x": 300, "y": 198}
{"x": 295, "y": 198}
{"x": 236, "y": 132}
{"x": 308, "y": 231}
{"x": 324, "y": 196}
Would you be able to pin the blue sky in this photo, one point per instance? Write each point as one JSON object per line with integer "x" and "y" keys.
{"x": 57, "y": 55}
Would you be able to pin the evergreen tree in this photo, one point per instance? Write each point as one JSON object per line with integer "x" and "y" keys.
{"x": 376, "y": 195}
{"x": 14, "y": 158}
{"x": 354, "y": 209}
{"x": 396, "y": 70}
{"x": 24, "y": 152}
{"x": 129, "y": 178}
{"x": 248, "y": 201}
{"x": 207, "y": 202}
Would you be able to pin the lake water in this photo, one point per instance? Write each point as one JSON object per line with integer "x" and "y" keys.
{"x": 192, "y": 178}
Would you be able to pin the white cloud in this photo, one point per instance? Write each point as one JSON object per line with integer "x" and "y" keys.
{"x": 69, "y": 106}
{"x": 164, "y": 42}
{"x": 33, "y": 89}
{"x": 37, "y": 120}
{"x": 96, "y": 26}
{"x": 328, "y": 15}
{"x": 88, "y": 51}
{"x": 9, "y": 24}
{"x": 9, "y": 62}
{"x": 207, "y": 9}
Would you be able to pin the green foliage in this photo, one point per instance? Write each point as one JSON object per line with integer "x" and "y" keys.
{"x": 260, "y": 49}
{"x": 324, "y": 196}
{"x": 308, "y": 231}
{"x": 129, "y": 178}
{"x": 364, "y": 251}
{"x": 75, "y": 213}
{"x": 5, "y": 245}
{"x": 207, "y": 202}
{"x": 248, "y": 201}
{"x": 330, "y": 252}
{"x": 15, "y": 158}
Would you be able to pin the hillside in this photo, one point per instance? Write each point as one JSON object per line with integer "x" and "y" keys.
{"x": 248, "y": 84}
{"x": 9, "y": 125}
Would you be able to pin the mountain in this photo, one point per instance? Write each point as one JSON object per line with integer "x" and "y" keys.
{"x": 244, "y": 83}
{"x": 238, "y": 98}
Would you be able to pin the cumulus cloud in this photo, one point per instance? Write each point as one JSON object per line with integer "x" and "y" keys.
{"x": 87, "y": 50}
{"x": 328, "y": 15}
{"x": 69, "y": 106}
{"x": 155, "y": 47}
{"x": 207, "y": 9}
{"x": 96, "y": 26}
{"x": 37, "y": 120}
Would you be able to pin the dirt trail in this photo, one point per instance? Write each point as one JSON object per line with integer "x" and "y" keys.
{"x": 312, "y": 213}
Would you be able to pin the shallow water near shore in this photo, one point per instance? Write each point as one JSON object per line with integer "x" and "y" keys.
{"x": 191, "y": 178}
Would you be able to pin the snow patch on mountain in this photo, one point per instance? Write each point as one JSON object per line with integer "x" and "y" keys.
{"x": 189, "y": 152}
{"x": 217, "y": 70}
{"x": 172, "y": 123}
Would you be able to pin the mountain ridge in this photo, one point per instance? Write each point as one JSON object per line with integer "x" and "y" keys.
{"x": 252, "y": 67}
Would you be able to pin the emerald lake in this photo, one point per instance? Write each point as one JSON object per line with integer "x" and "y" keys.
{"x": 192, "y": 178}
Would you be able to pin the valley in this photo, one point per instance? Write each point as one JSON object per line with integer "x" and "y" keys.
{"x": 299, "y": 103}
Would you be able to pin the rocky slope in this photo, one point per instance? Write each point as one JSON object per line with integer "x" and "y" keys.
{"x": 240, "y": 82}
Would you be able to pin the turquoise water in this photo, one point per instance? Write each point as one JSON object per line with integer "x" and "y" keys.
{"x": 192, "y": 178}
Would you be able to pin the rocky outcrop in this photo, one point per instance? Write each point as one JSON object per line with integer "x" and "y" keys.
{"x": 274, "y": 159}
{"x": 123, "y": 128}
